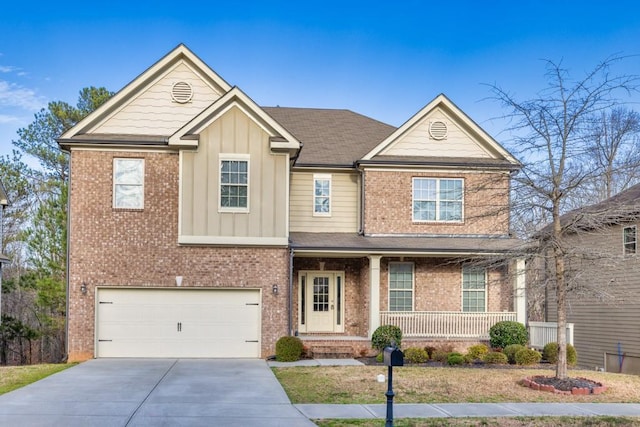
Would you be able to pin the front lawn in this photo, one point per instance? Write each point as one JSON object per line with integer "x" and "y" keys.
{"x": 490, "y": 422}
{"x": 357, "y": 384}
{"x": 13, "y": 377}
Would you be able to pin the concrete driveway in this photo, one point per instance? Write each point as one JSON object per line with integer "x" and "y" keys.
{"x": 154, "y": 392}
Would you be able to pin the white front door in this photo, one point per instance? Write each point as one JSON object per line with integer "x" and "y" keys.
{"x": 322, "y": 302}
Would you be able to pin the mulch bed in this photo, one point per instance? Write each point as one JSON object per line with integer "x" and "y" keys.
{"x": 580, "y": 386}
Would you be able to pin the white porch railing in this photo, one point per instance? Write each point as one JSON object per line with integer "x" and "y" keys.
{"x": 542, "y": 333}
{"x": 444, "y": 324}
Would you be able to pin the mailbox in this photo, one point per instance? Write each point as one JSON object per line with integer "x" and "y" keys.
{"x": 393, "y": 356}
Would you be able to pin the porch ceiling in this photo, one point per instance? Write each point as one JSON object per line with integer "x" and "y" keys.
{"x": 355, "y": 244}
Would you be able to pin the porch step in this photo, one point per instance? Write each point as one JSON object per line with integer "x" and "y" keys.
{"x": 331, "y": 352}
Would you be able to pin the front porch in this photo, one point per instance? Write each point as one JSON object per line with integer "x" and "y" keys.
{"x": 419, "y": 328}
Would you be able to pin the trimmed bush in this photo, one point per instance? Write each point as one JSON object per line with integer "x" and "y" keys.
{"x": 528, "y": 356}
{"x": 439, "y": 356}
{"x": 550, "y": 353}
{"x": 455, "y": 359}
{"x": 380, "y": 357}
{"x": 508, "y": 332}
{"x": 288, "y": 349}
{"x": 495, "y": 358}
{"x": 416, "y": 355}
{"x": 476, "y": 352}
{"x": 383, "y": 336}
{"x": 511, "y": 350}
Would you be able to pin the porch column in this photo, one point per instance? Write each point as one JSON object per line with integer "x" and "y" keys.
{"x": 374, "y": 293}
{"x": 519, "y": 291}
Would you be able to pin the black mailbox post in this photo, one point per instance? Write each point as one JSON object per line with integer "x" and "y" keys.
{"x": 392, "y": 356}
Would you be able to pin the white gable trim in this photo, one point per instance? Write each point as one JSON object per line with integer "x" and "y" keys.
{"x": 188, "y": 135}
{"x": 180, "y": 54}
{"x": 459, "y": 116}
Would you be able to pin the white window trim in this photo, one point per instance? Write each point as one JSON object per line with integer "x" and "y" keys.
{"x": 231, "y": 157}
{"x": 115, "y": 184}
{"x": 413, "y": 181}
{"x": 413, "y": 286}
{"x": 486, "y": 291}
{"x": 323, "y": 177}
{"x": 624, "y": 247}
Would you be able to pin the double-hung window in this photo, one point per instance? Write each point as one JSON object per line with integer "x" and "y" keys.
{"x": 234, "y": 183}
{"x": 474, "y": 289}
{"x": 128, "y": 183}
{"x": 437, "y": 199}
{"x": 400, "y": 286}
{"x": 321, "y": 195}
{"x": 629, "y": 240}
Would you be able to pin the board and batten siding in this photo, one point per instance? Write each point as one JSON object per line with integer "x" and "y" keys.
{"x": 418, "y": 142}
{"x": 234, "y": 133}
{"x": 601, "y": 322}
{"x": 153, "y": 112}
{"x": 345, "y": 194}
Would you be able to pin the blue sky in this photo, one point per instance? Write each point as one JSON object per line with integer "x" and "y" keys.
{"x": 382, "y": 59}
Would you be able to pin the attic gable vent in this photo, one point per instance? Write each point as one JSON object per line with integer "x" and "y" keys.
{"x": 438, "y": 130}
{"x": 181, "y": 92}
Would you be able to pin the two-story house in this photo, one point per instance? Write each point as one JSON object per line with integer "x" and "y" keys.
{"x": 603, "y": 270}
{"x": 204, "y": 225}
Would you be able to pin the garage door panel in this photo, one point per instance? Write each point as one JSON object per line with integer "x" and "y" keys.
{"x": 178, "y": 323}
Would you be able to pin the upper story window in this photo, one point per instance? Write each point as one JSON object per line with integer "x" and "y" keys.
{"x": 629, "y": 240}
{"x": 234, "y": 183}
{"x": 400, "y": 286}
{"x": 321, "y": 195}
{"x": 128, "y": 183}
{"x": 474, "y": 289}
{"x": 437, "y": 199}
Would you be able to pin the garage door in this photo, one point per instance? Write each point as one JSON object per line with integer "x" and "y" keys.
{"x": 178, "y": 323}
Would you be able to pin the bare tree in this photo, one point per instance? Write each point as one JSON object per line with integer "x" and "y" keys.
{"x": 551, "y": 133}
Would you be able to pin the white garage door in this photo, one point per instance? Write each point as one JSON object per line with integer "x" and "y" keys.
{"x": 178, "y": 323}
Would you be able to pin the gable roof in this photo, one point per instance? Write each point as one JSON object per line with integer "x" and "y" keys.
{"x": 138, "y": 85}
{"x": 489, "y": 144}
{"x": 330, "y": 137}
{"x": 281, "y": 139}
{"x": 620, "y": 208}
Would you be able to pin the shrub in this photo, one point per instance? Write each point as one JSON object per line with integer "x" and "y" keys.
{"x": 455, "y": 359}
{"x": 288, "y": 349}
{"x": 430, "y": 350}
{"x": 476, "y": 352}
{"x": 527, "y": 356}
{"x": 383, "y": 336}
{"x": 380, "y": 357}
{"x": 550, "y": 353}
{"x": 439, "y": 356}
{"x": 416, "y": 355}
{"x": 511, "y": 350}
{"x": 495, "y": 358}
{"x": 508, "y": 332}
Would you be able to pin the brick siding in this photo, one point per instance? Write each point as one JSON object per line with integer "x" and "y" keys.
{"x": 139, "y": 248}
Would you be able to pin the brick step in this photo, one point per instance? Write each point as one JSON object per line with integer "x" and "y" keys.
{"x": 331, "y": 352}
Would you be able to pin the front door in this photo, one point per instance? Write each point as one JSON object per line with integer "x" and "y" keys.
{"x": 322, "y": 302}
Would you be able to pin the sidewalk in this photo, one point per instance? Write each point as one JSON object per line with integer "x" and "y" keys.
{"x": 451, "y": 410}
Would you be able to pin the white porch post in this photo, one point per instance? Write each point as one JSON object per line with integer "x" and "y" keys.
{"x": 520, "y": 291}
{"x": 374, "y": 293}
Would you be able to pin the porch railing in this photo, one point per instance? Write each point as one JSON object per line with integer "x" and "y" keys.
{"x": 542, "y": 333}
{"x": 444, "y": 324}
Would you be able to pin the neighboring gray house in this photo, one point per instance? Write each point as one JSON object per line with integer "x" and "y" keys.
{"x": 4, "y": 201}
{"x": 605, "y": 303}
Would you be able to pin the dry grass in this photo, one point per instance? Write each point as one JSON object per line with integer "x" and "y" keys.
{"x": 357, "y": 384}
{"x": 491, "y": 422}
{"x": 13, "y": 377}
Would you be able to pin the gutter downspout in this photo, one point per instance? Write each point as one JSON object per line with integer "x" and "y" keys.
{"x": 66, "y": 310}
{"x": 361, "y": 172}
{"x": 290, "y": 316}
